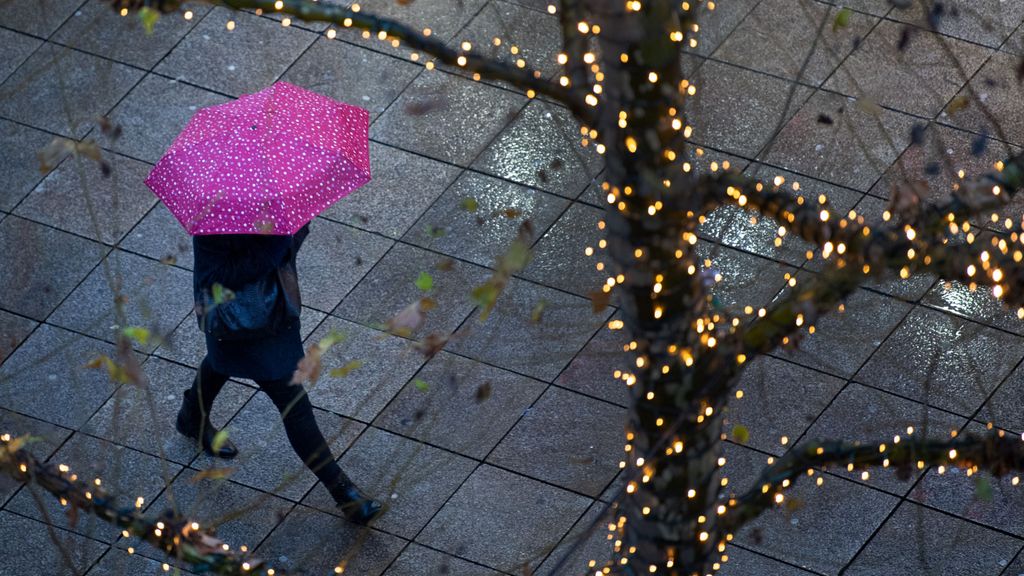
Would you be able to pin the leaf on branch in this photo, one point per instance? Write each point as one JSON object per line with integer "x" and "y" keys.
{"x": 425, "y": 281}
{"x": 148, "y": 17}
{"x": 221, "y": 295}
{"x": 421, "y": 385}
{"x": 59, "y": 148}
{"x": 825, "y": 119}
{"x": 866, "y": 104}
{"x": 906, "y": 198}
{"x": 431, "y": 345}
{"x": 446, "y": 265}
{"x": 212, "y": 474}
{"x": 310, "y": 366}
{"x": 599, "y": 300}
{"x": 515, "y": 258}
{"x": 842, "y": 19}
{"x": 469, "y": 204}
{"x": 425, "y": 105}
{"x": 108, "y": 128}
{"x": 219, "y": 439}
{"x": 483, "y": 392}
{"x": 346, "y": 369}
{"x": 410, "y": 318}
{"x": 137, "y": 334}
{"x": 982, "y": 489}
{"x": 115, "y": 371}
{"x": 957, "y": 104}
{"x": 537, "y": 314}
{"x": 740, "y": 433}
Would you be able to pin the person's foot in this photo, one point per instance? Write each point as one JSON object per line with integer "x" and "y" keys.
{"x": 191, "y": 424}
{"x": 355, "y": 505}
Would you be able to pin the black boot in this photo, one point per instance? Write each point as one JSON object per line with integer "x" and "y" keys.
{"x": 355, "y": 505}
{"x": 191, "y": 424}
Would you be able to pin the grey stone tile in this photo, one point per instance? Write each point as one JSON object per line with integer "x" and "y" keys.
{"x": 945, "y": 361}
{"x": 919, "y": 79}
{"x": 862, "y": 414}
{"x": 244, "y": 60}
{"x": 387, "y": 364}
{"x": 979, "y": 305}
{"x": 745, "y": 563}
{"x": 828, "y": 527}
{"x": 20, "y": 558}
{"x": 586, "y": 548}
{"x": 443, "y": 17}
{"x": 187, "y": 344}
{"x": 118, "y": 563}
{"x": 98, "y": 28}
{"x": 466, "y": 406}
{"x": 853, "y": 151}
{"x": 49, "y": 263}
{"x": 746, "y": 280}
{"x": 143, "y": 418}
{"x": 77, "y": 198}
{"x": 558, "y": 258}
{"x": 147, "y": 134}
{"x": 842, "y": 341}
{"x": 916, "y": 540}
{"x": 446, "y": 117}
{"x": 541, "y": 148}
{"x": 594, "y": 194}
{"x": 240, "y": 515}
{"x": 480, "y": 521}
{"x": 876, "y": 7}
{"x": 333, "y": 259}
{"x": 987, "y": 22}
{"x": 912, "y": 288}
{"x": 779, "y": 36}
{"x": 352, "y": 74}
{"x": 40, "y": 92}
{"x": 125, "y": 474}
{"x": 769, "y": 409}
{"x": 16, "y": 47}
{"x": 997, "y": 108}
{"x": 511, "y": 339}
{"x": 266, "y": 460}
{"x": 416, "y": 560}
{"x": 13, "y": 331}
{"x": 592, "y": 370}
{"x": 537, "y": 35}
{"x": 412, "y": 479}
{"x": 18, "y": 161}
{"x": 737, "y": 110}
{"x": 725, "y": 16}
{"x": 566, "y": 439}
{"x": 160, "y": 236}
{"x": 481, "y": 235}
{"x": 403, "y": 186}
{"x": 318, "y": 542}
{"x": 51, "y": 364}
{"x": 391, "y": 287}
{"x": 35, "y": 17}
{"x": 44, "y": 440}
{"x": 935, "y": 162}
{"x": 1002, "y": 409}
{"x": 156, "y": 297}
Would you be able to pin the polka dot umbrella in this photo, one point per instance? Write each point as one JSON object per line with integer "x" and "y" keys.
{"x": 265, "y": 163}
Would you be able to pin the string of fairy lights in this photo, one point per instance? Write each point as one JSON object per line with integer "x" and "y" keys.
{"x": 940, "y": 239}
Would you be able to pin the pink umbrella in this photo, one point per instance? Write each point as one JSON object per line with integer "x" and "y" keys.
{"x": 267, "y": 162}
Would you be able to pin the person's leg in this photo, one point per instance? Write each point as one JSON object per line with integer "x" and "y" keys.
{"x": 300, "y": 425}
{"x": 194, "y": 416}
{"x": 308, "y": 442}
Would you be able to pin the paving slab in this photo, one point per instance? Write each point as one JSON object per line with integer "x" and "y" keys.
{"x": 17, "y": 47}
{"x": 994, "y": 108}
{"x": 986, "y": 22}
{"x": 35, "y": 17}
{"x": 21, "y": 559}
{"x": 13, "y": 331}
{"x": 45, "y": 438}
{"x": 333, "y": 259}
{"x": 592, "y": 371}
{"x": 559, "y": 257}
{"x": 161, "y": 237}
{"x": 537, "y": 36}
{"x": 416, "y": 560}
{"x": 18, "y": 161}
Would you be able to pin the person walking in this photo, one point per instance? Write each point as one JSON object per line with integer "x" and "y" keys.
{"x": 245, "y": 178}
{"x": 233, "y": 261}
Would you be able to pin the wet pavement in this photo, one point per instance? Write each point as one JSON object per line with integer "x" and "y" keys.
{"x": 497, "y": 454}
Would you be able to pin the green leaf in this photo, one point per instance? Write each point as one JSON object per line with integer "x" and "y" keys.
{"x": 221, "y": 294}
{"x": 332, "y": 338}
{"x": 219, "y": 439}
{"x": 740, "y": 433}
{"x": 346, "y": 369}
{"x": 842, "y": 19}
{"x": 116, "y": 372}
{"x": 148, "y": 16}
{"x": 982, "y": 489}
{"x": 421, "y": 385}
{"x": 435, "y": 231}
{"x": 137, "y": 333}
{"x": 517, "y": 257}
{"x": 470, "y": 204}
{"x": 538, "y": 311}
{"x": 425, "y": 281}
{"x": 485, "y": 295}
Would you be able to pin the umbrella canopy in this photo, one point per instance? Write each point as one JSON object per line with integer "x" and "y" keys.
{"x": 267, "y": 162}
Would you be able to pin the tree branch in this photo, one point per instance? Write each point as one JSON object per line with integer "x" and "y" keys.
{"x": 170, "y": 532}
{"x": 998, "y": 453}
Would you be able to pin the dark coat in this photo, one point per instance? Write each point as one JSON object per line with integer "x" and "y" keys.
{"x": 234, "y": 260}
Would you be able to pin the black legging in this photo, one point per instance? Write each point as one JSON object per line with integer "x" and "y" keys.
{"x": 296, "y": 412}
